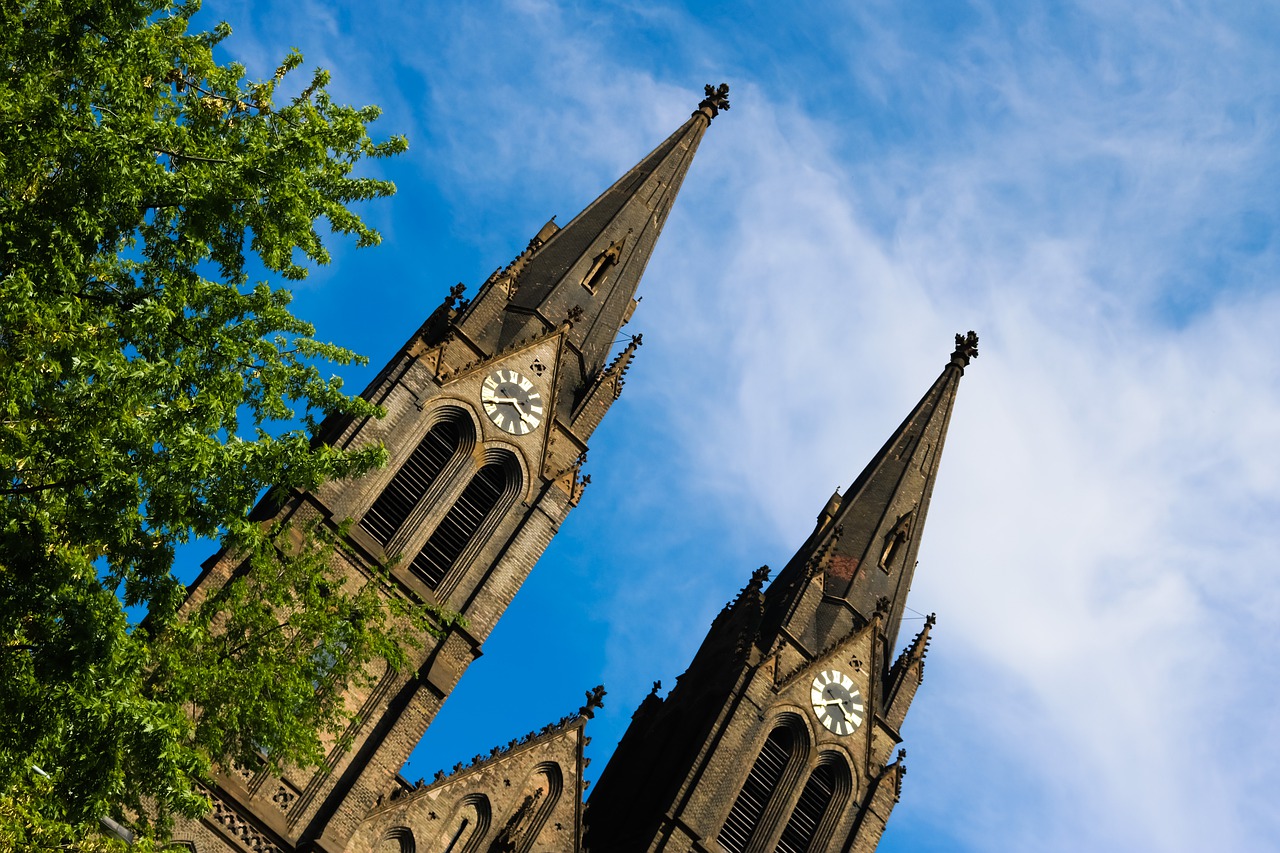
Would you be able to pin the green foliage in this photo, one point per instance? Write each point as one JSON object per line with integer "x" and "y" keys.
{"x": 27, "y": 827}
{"x": 146, "y": 387}
{"x": 294, "y": 631}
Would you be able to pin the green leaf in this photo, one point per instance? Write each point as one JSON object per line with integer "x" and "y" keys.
{"x": 149, "y": 394}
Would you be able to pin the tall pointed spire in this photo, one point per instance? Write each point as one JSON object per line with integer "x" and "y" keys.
{"x": 587, "y": 272}
{"x": 489, "y": 409}
{"x": 732, "y": 753}
{"x": 865, "y": 547}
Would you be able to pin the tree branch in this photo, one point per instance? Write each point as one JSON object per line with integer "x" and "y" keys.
{"x": 27, "y": 490}
{"x": 215, "y": 160}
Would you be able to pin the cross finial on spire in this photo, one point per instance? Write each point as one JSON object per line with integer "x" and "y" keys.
{"x": 595, "y": 699}
{"x": 715, "y": 101}
{"x": 758, "y": 578}
{"x": 966, "y": 349}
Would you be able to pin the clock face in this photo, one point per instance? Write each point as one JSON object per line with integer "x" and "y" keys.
{"x": 511, "y": 401}
{"x": 837, "y": 703}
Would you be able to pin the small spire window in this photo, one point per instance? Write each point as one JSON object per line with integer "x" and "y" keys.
{"x": 895, "y": 540}
{"x": 600, "y": 266}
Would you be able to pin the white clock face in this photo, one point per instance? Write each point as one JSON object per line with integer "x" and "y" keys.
{"x": 837, "y": 702}
{"x": 511, "y": 401}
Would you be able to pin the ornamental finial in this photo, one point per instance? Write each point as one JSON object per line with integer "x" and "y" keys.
{"x": 759, "y": 576}
{"x": 715, "y": 101}
{"x": 595, "y": 699}
{"x": 966, "y": 349}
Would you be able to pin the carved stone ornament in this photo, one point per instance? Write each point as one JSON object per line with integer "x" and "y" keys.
{"x": 717, "y": 99}
{"x": 284, "y": 798}
{"x": 241, "y": 829}
{"x": 455, "y": 295}
{"x": 595, "y": 699}
{"x": 966, "y": 349}
{"x": 759, "y": 577}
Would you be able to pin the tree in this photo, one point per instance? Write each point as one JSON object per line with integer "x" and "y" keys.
{"x": 148, "y": 395}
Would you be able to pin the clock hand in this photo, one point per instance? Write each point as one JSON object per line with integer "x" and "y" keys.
{"x": 513, "y": 402}
{"x": 839, "y": 702}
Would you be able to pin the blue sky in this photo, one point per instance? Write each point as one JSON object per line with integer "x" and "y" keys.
{"x": 1093, "y": 187}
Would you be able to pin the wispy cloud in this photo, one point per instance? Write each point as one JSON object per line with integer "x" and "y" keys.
{"x": 1092, "y": 187}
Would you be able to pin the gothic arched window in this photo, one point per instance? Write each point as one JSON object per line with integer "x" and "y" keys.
{"x": 492, "y": 486}
{"x": 398, "y": 840}
{"x": 465, "y": 829}
{"x": 414, "y": 479}
{"x": 827, "y": 784}
{"x": 749, "y": 808}
{"x": 536, "y": 802}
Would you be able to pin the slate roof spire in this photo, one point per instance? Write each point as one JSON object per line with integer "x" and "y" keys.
{"x": 865, "y": 547}
{"x": 587, "y": 271}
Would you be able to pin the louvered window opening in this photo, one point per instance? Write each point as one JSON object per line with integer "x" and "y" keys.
{"x": 813, "y": 803}
{"x": 460, "y": 524}
{"x": 411, "y": 482}
{"x": 747, "y": 810}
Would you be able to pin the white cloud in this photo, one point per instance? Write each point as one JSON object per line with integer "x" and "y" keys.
{"x": 1094, "y": 190}
{"x": 1103, "y": 536}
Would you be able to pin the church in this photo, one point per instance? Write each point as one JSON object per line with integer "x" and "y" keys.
{"x": 783, "y": 732}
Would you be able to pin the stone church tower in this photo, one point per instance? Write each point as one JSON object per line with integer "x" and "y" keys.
{"x": 490, "y": 407}
{"x": 780, "y": 734}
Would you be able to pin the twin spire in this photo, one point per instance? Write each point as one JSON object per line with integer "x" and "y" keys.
{"x": 866, "y": 541}
{"x": 587, "y": 272}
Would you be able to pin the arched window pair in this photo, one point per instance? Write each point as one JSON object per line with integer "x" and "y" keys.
{"x": 761, "y": 804}
{"x": 463, "y": 831}
{"x": 467, "y": 829}
{"x": 412, "y": 499}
